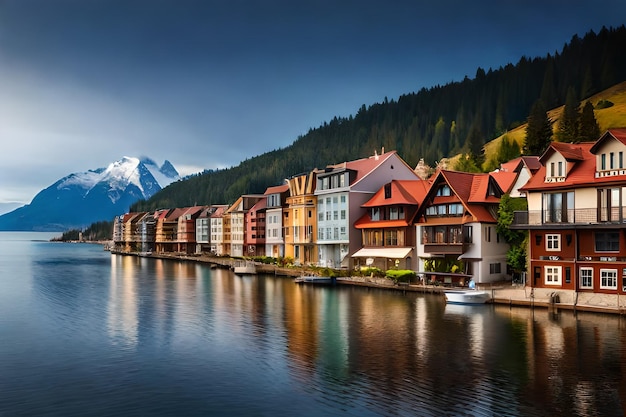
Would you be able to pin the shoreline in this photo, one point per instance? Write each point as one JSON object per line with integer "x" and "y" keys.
{"x": 501, "y": 293}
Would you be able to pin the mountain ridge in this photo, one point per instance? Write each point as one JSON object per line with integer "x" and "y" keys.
{"x": 82, "y": 198}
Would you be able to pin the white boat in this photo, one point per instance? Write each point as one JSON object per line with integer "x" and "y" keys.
{"x": 470, "y": 296}
{"x": 245, "y": 268}
{"x": 311, "y": 279}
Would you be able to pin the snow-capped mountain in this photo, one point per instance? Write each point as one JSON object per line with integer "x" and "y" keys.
{"x": 80, "y": 199}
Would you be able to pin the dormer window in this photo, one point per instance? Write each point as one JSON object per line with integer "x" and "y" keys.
{"x": 387, "y": 191}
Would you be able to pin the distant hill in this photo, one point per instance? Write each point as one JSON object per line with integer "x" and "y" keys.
{"x": 80, "y": 199}
{"x": 431, "y": 124}
{"x": 607, "y": 118}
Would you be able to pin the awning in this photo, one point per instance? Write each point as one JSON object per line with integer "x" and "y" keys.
{"x": 391, "y": 253}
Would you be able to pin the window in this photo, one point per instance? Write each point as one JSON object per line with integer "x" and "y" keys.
{"x": 552, "y": 169}
{"x": 320, "y": 216}
{"x": 375, "y": 214}
{"x": 586, "y": 277}
{"x": 467, "y": 234}
{"x": 607, "y": 241}
{"x": 608, "y": 279}
{"x": 443, "y": 191}
{"x": 387, "y": 190}
{"x": 621, "y": 160}
{"x": 343, "y": 232}
{"x": 494, "y": 268}
{"x": 609, "y": 207}
{"x": 487, "y": 234}
{"x": 328, "y": 215}
{"x": 320, "y": 233}
{"x": 336, "y": 233}
{"x": 560, "y": 172}
{"x": 335, "y": 200}
{"x": 558, "y": 207}
{"x": 343, "y": 214}
{"x": 343, "y": 199}
{"x": 553, "y": 242}
{"x": 603, "y": 162}
{"x": 391, "y": 238}
{"x": 612, "y": 160}
{"x": 342, "y": 183}
{"x": 553, "y": 275}
{"x": 431, "y": 210}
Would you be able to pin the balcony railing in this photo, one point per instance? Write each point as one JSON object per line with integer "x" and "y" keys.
{"x": 586, "y": 216}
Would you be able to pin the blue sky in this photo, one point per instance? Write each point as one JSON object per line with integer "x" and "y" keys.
{"x": 207, "y": 84}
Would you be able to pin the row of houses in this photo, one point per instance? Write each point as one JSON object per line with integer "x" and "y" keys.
{"x": 379, "y": 212}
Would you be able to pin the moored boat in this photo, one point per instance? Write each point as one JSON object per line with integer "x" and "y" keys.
{"x": 311, "y": 279}
{"x": 245, "y": 268}
{"x": 467, "y": 296}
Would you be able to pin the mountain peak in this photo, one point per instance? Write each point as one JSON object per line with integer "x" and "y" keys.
{"x": 82, "y": 198}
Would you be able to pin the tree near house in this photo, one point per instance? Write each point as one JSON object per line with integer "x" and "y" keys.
{"x": 570, "y": 119}
{"x": 589, "y": 129}
{"x": 538, "y": 130}
{"x": 517, "y": 239}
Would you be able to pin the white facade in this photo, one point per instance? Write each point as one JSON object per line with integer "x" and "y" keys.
{"x": 341, "y": 191}
{"x": 217, "y": 235}
{"x": 274, "y": 242}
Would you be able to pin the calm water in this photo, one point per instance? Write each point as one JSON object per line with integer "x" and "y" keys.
{"x": 84, "y": 333}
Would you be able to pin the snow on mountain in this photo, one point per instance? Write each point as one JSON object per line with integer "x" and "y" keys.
{"x": 82, "y": 198}
{"x": 144, "y": 174}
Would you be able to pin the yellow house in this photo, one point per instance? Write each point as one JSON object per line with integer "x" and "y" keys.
{"x": 300, "y": 220}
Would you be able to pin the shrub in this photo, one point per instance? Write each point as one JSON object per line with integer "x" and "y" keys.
{"x": 371, "y": 271}
{"x": 401, "y": 275}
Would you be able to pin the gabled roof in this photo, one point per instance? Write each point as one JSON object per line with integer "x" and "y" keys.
{"x": 582, "y": 172}
{"x": 505, "y": 179}
{"x": 403, "y": 192}
{"x": 363, "y": 167}
{"x": 617, "y": 134}
{"x": 471, "y": 189}
{"x": 572, "y": 152}
{"x": 480, "y": 191}
{"x": 516, "y": 165}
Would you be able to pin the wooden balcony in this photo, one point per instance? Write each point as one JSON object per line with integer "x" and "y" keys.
{"x": 445, "y": 248}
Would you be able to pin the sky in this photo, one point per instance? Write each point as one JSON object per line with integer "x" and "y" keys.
{"x": 207, "y": 84}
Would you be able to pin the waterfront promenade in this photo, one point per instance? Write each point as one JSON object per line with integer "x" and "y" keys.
{"x": 502, "y": 293}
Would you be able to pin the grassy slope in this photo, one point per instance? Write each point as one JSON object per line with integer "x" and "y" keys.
{"x": 608, "y": 118}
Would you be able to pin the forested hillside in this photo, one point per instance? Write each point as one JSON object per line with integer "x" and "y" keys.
{"x": 433, "y": 123}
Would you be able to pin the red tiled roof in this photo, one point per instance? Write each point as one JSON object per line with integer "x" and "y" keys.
{"x": 277, "y": 189}
{"x": 505, "y": 179}
{"x": 260, "y": 205}
{"x": 471, "y": 189}
{"x": 581, "y": 174}
{"x": 365, "y": 222}
{"x": 570, "y": 151}
{"x": 410, "y": 192}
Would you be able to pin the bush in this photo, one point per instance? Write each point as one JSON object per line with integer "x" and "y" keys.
{"x": 401, "y": 275}
{"x": 371, "y": 271}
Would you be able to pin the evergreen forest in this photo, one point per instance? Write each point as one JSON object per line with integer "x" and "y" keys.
{"x": 433, "y": 123}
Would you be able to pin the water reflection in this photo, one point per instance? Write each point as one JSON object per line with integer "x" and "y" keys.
{"x": 176, "y": 333}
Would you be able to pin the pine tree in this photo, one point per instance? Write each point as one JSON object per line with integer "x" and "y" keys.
{"x": 538, "y": 130}
{"x": 569, "y": 123}
{"x": 589, "y": 129}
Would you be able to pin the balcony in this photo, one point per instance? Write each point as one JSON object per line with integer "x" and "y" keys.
{"x": 534, "y": 219}
{"x": 446, "y": 248}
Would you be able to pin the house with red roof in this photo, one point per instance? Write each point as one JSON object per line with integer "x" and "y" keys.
{"x": 514, "y": 174}
{"x": 387, "y": 230}
{"x": 341, "y": 191}
{"x": 255, "y": 220}
{"x": 186, "y": 229}
{"x": 456, "y": 225}
{"x": 577, "y": 219}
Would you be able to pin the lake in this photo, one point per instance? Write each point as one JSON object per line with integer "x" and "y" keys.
{"x": 87, "y": 333}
